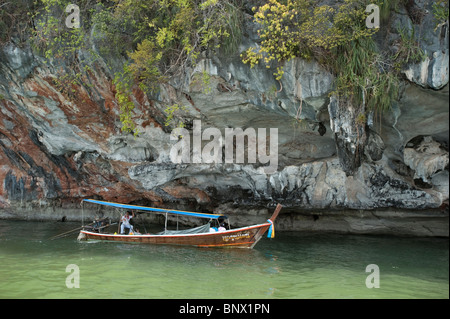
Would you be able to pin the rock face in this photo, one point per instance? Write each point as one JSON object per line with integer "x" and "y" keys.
{"x": 62, "y": 143}
{"x": 426, "y": 159}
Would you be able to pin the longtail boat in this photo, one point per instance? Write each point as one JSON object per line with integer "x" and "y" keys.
{"x": 202, "y": 236}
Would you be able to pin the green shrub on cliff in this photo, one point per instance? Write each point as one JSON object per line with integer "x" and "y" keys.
{"x": 337, "y": 37}
{"x": 303, "y": 29}
{"x": 16, "y": 20}
{"x": 53, "y": 38}
{"x": 440, "y": 12}
{"x": 166, "y": 36}
{"x": 159, "y": 38}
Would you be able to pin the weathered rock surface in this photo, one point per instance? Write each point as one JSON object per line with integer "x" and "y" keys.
{"x": 62, "y": 143}
{"x": 426, "y": 159}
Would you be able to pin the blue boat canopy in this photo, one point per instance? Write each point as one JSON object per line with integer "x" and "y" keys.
{"x": 157, "y": 210}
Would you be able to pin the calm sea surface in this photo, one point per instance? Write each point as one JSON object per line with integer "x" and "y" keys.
{"x": 293, "y": 265}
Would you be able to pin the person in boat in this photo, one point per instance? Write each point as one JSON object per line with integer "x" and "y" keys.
{"x": 222, "y": 227}
{"x": 213, "y": 229}
{"x": 98, "y": 224}
{"x": 125, "y": 222}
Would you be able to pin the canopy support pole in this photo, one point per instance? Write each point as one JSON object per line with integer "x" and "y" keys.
{"x": 165, "y": 225}
{"x": 117, "y": 210}
{"x": 82, "y": 214}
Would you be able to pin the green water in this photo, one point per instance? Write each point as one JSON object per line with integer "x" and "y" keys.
{"x": 292, "y": 265}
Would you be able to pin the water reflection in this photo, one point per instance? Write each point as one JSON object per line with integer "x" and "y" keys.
{"x": 289, "y": 266}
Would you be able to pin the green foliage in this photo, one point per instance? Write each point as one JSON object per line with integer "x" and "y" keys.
{"x": 360, "y": 78}
{"x": 166, "y": 36}
{"x": 408, "y": 49}
{"x": 387, "y": 6}
{"x": 160, "y": 38}
{"x": 124, "y": 84}
{"x": 304, "y": 29}
{"x": 338, "y": 38}
{"x": 280, "y": 33}
{"x": 203, "y": 79}
{"x": 440, "y": 12}
{"x": 61, "y": 45}
{"x": 144, "y": 67}
{"x": 171, "y": 33}
{"x": 15, "y": 20}
{"x": 113, "y": 33}
{"x": 171, "y": 118}
{"x": 52, "y": 37}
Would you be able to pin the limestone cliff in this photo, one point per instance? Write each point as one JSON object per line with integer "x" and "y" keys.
{"x": 60, "y": 143}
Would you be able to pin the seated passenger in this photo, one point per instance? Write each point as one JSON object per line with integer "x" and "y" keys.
{"x": 213, "y": 229}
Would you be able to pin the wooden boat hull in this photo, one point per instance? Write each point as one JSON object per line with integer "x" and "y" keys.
{"x": 245, "y": 237}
